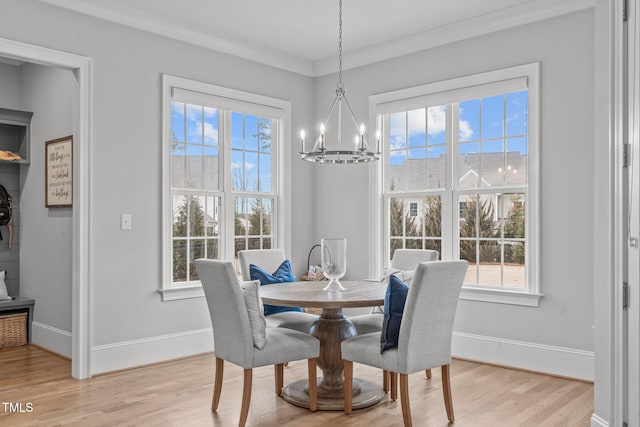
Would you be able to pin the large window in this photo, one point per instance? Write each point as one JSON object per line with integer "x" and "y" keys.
{"x": 222, "y": 184}
{"x": 460, "y": 176}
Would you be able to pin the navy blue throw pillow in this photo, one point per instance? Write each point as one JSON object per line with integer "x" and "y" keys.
{"x": 394, "y": 300}
{"x": 282, "y": 275}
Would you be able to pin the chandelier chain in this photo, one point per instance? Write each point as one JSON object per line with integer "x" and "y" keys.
{"x": 340, "y": 84}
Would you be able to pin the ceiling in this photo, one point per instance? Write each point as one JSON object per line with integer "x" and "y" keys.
{"x": 302, "y": 35}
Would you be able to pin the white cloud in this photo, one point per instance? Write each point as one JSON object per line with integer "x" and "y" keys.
{"x": 465, "y": 130}
{"x": 247, "y": 165}
{"x": 210, "y": 133}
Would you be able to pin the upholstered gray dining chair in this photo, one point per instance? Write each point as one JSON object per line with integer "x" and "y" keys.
{"x": 403, "y": 260}
{"x": 270, "y": 260}
{"x": 234, "y": 335}
{"x": 425, "y": 335}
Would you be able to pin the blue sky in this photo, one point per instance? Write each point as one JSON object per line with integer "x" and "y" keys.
{"x": 499, "y": 122}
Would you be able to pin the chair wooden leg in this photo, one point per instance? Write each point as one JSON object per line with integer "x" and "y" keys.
{"x": 217, "y": 384}
{"x": 446, "y": 390}
{"x": 385, "y": 381}
{"x": 404, "y": 399}
{"x": 394, "y": 385}
{"x": 348, "y": 386}
{"x": 279, "y": 378}
{"x": 313, "y": 385}
{"x": 428, "y": 373}
{"x": 246, "y": 397}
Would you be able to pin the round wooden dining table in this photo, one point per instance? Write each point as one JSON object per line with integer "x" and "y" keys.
{"x": 331, "y": 328}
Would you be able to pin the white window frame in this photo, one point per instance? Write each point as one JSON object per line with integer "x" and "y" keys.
{"x": 231, "y": 100}
{"x": 447, "y": 92}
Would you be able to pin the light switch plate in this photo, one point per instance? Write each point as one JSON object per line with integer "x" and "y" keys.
{"x": 125, "y": 221}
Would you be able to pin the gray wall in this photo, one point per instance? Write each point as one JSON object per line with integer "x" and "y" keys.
{"x": 10, "y": 178}
{"x": 125, "y": 170}
{"x": 564, "y": 46}
{"x": 46, "y": 233}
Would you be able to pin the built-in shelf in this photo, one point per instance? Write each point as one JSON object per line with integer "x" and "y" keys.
{"x": 15, "y": 134}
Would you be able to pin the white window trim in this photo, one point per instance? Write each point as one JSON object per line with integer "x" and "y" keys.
{"x": 282, "y": 167}
{"x": 414, "y": 97}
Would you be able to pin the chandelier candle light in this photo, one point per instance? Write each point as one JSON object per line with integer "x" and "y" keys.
{"x": 360, "y": 152}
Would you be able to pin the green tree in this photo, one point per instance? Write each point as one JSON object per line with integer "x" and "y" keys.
{"x": 189, "y": 221}
{"x": 514, "y": 229}
{"x": 432, "y": 220}
{"x": 478, "y": 224}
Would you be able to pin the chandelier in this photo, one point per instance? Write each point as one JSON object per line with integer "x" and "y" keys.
{"x": 359, "y": 151}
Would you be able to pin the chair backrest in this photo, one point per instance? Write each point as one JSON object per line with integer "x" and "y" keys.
{"x": 429, "y": 312}
{"x": 408, "y": 259}
{"x": 229, "y": 318}
{"x": 267, "y": 259}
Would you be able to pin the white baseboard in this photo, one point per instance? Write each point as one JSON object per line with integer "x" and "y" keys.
{"x": 127, "y": 354}
{"x": 51, "y": 338}
{"x": 596, "y": 421}
{"x": 566, "y": 362}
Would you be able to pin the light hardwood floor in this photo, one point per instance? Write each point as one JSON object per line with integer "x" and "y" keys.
{"x": 178, "y": 393}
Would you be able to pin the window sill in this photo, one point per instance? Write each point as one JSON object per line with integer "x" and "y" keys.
{"x": 500, "y": 296}
{"x": 181, "y": 292}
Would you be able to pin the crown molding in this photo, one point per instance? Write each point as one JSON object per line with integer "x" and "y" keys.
{"x": 260, "y": 54}
{"x": 521, "y": 14}
{"x": 525, "y": 13}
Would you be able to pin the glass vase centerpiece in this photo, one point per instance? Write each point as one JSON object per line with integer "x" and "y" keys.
{"x": 334, "y": 262}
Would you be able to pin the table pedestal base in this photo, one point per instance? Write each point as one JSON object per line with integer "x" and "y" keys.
{"x": 296, "y": 393}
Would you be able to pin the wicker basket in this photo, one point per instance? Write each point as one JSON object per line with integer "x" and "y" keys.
{"x": 13, "y": 330}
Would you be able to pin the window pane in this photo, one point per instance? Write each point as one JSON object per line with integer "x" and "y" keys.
{"x": 492, "y": 163}
{"x": 180, "y": 215}
{"x": 240, "y": 245}
{"x": 468, "y": 212}
{"x": 469, "y": 123}
{"x": 212, "y": 249}
{"x": 241, "y": 224}
{"x": 177, "y": 122}
{"x": 489, "y": 269}
{"x": 468, "y": 252}
{"x": 237, "y": 131}
{"x": 413, "y": 244}
{"x": 514, "y": 269}
{"x": 516, "y": 172}
{"x": 432, "y": 211}
{"x": 398, "y": 130}
{"x": 211, "y": 168}
{"x": 266, "y": 243}
{"x": 196, "y": 252}
{"x": 194, "y": 124}
{"x": 194, "y": 175}
{"x": 436, "y": 124}
{"x": 416, "y": 168}
{"x": 212, "y": 216}
{"x": 237, "y": 171}
{"x": 254, "y": 243}
{"x": 416, "y": 121}
{"x": 517, "y": 113}
{"x": 196, "y": 216}
{"x": 264, "y": 127}
{"x": 254, "y": 216}
{"x": 393, "y": 245}
{"x": 493, "y": 117}
{"x": 397, "y": 170}
{"x": 396, "y": 218}
{"x": 178, "y": 167}
{"x": 265, "y": 172}
{"x": 251, "y": 171}
{"x": 469, "y": 165}
{"x": 514, "y": 216}
{"x": 250, "y": 132}
{"x": 179, "y": 260}
{"x": 435, "y": 245}
{"x": 267, "y": 217}
{"x": 436, "y": 167}
{"x": 210, "y": 126}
